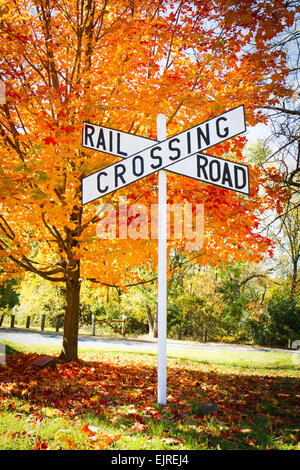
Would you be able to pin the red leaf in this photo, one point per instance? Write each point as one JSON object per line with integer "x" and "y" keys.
{"x": 41, "y": 445}
{"x": 50, "y": 140}
{"x": 70, "y": 443}
{"x": 86, "y": 429}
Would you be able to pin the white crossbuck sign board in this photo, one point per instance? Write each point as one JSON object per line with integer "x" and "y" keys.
{"x": 143, "y": 156}
{"x": 180, "y": 154}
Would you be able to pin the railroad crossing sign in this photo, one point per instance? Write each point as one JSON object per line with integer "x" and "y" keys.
{"x": 143, "y": 156}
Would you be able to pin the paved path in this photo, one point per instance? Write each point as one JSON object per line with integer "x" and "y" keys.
{"x": 31, "y": 337}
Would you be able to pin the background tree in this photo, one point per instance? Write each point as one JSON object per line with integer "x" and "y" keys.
{"x": 199, "y": 307}
{"x": 284, "y": 316}
{"x": 120, "y": 63}
{"x": 139, "y": 305}
{"x": 8, "y": 295}
{"x": 38, "y": 296}
{"x": 284, "y": 116}
{"x": 290, "y": 248}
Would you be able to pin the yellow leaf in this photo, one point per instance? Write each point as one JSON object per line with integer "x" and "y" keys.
{"x": 94, "y": 398}
{"x": 25, "y": 407}
{"x": 50, "y": 412}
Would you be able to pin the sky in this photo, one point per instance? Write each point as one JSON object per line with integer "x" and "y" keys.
{"x": 261, "y": 131}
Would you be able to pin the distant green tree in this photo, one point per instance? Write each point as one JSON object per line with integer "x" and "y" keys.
{"x": 255, "y": 323}
{"x": 239, "y": 285}
{"x": 8, "y": 294}
{"x": 284, "y": 317}
{"x": 197, "y": 310}
{"x": 138, "y": 303}
{"x": 37, "y": 297}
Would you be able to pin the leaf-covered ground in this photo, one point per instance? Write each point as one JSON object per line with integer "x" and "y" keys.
{"x": 108, "y": 401}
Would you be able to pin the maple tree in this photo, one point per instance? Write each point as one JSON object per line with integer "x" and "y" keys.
{"x": 119, "y": 64}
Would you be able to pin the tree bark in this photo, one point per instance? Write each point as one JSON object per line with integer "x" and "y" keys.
{"x": 70, "y": 336}
{"x": 152, "y": 322}
{"x": 294, "y": 277}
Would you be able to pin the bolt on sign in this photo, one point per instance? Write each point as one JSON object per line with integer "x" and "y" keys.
{"x": 181, "y": 154}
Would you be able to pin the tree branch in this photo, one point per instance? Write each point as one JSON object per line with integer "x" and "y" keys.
{"x": 293, "y": 112}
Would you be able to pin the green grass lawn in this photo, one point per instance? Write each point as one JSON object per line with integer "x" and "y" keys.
{"x": 108, "y": 401}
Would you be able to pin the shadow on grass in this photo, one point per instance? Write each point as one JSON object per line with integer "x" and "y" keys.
{"x": 8, "y": 349}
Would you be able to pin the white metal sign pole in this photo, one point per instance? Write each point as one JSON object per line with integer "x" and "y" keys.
{"x": 162, "y": 272}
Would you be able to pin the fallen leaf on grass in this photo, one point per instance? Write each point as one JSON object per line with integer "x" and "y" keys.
{"x": 68, "y": 441}
{"x": 242, "y": 431}
{"x": 95, "y": 398}
{"x": 249, "y": 442}
{"x": 115, "y": 419}
{"x": 41, "y": 445}
{"x": 173, "y": 440}
{"x": 27, "y": 408}
{"x": 138, "y": 427}
{"x": 99, "y": 441}
{"x": 294, "y": 438}
{"x": 132, "y": 411}
{"x": 35, "y": 418}
{"x": 102, "y": 441}
{"x": 90, "y": 430}
{"x": 50, "y": 412}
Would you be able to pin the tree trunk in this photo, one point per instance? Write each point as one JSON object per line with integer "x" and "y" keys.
{"x": 70, "y": 338}
{"x": 152, "y": 322}
{"x": 294, "y": 277}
